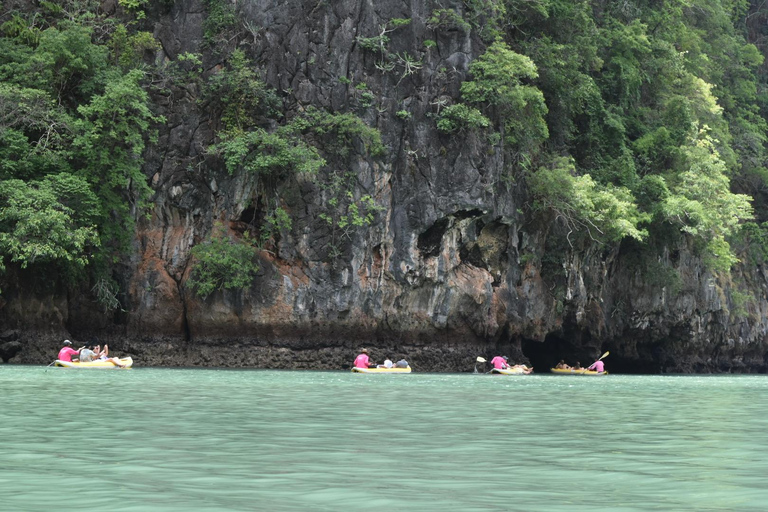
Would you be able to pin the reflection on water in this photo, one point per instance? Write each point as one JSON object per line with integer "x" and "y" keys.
{"x": 163, "y": 439}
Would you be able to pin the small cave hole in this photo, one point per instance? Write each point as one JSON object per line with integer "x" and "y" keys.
{"x": 429, "y": 241}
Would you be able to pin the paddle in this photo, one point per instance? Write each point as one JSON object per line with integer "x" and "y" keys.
{"x": 479, "y": 360}
{"x": 601, "y": 358}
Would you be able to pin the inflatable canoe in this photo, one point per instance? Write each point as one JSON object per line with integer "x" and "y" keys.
{"x": 381, "y": 370}
{"x": 127, "y": 361}
{"x": 509, "y": 371}
{"x": 571, "y": 371}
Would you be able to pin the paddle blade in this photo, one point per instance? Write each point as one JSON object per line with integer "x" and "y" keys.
{"x": 604, "y": 355}
{"x": 480, "y": 359}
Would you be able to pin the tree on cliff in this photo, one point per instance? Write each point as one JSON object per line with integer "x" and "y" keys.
{"x": 74, "y": 122}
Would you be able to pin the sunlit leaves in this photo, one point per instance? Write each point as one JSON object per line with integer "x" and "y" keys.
{"x": 605, "y": 213}
{"x": 47, "y": 221}
{"x": 263, "y": 152}
{"x": 461, "y": 117}
{"x": 702, "y": 204}
{"x": 497, "y": 85}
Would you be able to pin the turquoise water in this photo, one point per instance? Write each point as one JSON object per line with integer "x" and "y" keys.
{"x": 212, "y": 440}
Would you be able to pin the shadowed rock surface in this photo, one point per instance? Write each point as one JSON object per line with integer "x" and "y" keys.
{"x": 454, "y": 267}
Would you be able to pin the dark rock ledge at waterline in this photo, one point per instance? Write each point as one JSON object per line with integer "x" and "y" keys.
{"x": 455, "y": 264}
{"x": 338, "y": 353}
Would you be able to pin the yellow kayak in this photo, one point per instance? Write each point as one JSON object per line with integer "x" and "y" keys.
{"x": 508, "y": 371}
{"x": 127, "y": 362}
{"x": 571, "y": 371}
{"x": 381, "y": 370}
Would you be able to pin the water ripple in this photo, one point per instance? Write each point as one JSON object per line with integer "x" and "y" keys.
{"x": 167, "y": 440}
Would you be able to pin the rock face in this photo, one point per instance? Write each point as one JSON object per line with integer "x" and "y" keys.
{"x": 453, "y": 267}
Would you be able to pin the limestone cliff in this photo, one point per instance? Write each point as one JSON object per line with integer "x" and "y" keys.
{"x": 455, "y": 265}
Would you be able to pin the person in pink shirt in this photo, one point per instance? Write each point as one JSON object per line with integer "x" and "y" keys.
{"x": 500, "y": 362}
{"x": 362, "y": 360}
{"x": 67, "y": 352}
{"x": 598, "y": 366}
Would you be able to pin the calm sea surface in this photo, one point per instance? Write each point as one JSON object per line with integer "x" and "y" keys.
{"x": 213, "y": 440}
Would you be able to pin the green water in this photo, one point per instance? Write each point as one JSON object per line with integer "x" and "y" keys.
{"x": 212, "y": 440}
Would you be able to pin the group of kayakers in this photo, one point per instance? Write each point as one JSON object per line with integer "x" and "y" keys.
{"x": 87, "y": 354}
{"x": 597, "y": 366}
{"x": 91, "y": 353}
{"x": 363, "y": 360}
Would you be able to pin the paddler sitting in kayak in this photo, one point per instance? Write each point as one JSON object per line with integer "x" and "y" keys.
{"x": 562, "y": 366}
{"x": 67, "y": 352}
{"x": 598, "y": 366}
{"x": 502, "y": 363}
{"x": 362, "y": 360}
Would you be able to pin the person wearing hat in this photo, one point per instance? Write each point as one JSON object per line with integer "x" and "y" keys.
{"x": 500, "y": 362}
{"x": 362, "y": 360}
{"x": 67, "y": 352}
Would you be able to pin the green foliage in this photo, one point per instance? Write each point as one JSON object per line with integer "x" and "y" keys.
{"x": 496, "y": 75}
{"x": 488, "y": 17}
{"x": 185, "y": 71}
{"x": 497, "y": 82}
{"x": 751, "y": 243}
{"x": 628, "y": 46}
{"x": 378, "y": 44}
{"x": 47, "y": 221}
{"x": 338, "y": 133}
{"x": 293, "y": 147}
{"x": 447, "y": 19}
{"x": 21, "y": 30}
{"x": 223, "y": 263}
{"x": 277, "y": 221}
{"x": 460, "y": 118}
{"x": 357, "y": 213}
{"x": 702, "y": 204}
{"x": 279, "y": 153}
{"x": 740, "y": 301}
{"x": 345, "y": 212}
{"x": 66, "y": 64}
{"x": 221, "y": 18}
{"x": 373, "y": 44}
{"x": 605, "y": 213}
{"x": 111, "y": 135}
{"x": 366, "y": 99}
{"x": 133, "y": 5}
{"x": 241, "y": 96}
{"x": 128, "y": 49}
{"x": 403, "y": 114}
{"x": 74, "y": 122}
{"x": 106, "y": 292}
{"x": 399, "y": 22}
{"x": 34, "y": 133}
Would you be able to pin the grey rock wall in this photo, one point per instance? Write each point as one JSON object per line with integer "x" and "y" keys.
{"x": 455, "y": 265}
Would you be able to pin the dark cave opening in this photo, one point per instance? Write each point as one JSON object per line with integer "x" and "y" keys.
{"x": 555, "y": 347}
{"x": 579, "y": 347}
{"x": 429, "y": 241}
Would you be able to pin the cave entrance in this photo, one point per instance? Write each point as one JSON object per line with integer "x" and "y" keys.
{"x": 555, "y": 347}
